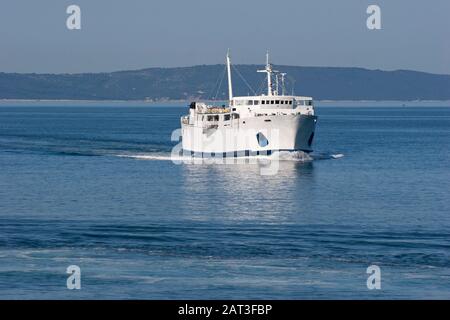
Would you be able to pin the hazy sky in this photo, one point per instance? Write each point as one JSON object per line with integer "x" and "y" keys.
{"x": 133, "y": 34}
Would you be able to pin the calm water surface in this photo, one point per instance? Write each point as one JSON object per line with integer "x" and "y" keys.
{"x": 92, "y": 186}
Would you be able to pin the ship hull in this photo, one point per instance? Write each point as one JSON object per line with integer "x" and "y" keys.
{"x": 251, "y": 136}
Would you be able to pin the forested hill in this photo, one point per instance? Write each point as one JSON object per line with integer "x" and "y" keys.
{"x": 208, "y": 81}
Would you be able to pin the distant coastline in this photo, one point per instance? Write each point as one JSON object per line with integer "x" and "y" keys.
{"x": 169, "y": 85}
{"x": 179, "y": 103}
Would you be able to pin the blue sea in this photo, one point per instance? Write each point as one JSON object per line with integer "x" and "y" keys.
{"x": 94, "y": 186}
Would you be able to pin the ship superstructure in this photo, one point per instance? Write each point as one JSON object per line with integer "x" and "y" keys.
{"x": 250, "y": 125}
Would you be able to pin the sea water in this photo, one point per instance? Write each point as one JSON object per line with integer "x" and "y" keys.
{"x": 95, "y": 187}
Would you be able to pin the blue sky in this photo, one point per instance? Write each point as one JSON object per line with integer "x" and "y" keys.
{"x": 134, "y": 34}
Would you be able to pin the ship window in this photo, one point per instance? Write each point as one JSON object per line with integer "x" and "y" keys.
{"x": 213, "y": 118}
{"x": 263, "y": 102}
{"x": 262, "y": 140}
{"x": 256, "y": 102}
{"x": 235, "y": 115}
{"x": 272, "y": 101}
{"x": 267, "y": 102}
{"x": 250, "y": 102}
{"x": 282, "y": 101}
{"x": 290, "y": 102}
{"x": 226, "y": 117}
{"x": 277, "y": 102}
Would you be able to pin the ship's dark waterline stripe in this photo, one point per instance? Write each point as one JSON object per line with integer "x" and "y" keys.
{"x": 237, "y": 154}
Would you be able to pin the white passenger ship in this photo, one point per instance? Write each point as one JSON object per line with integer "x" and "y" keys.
{"x": 250, "y": 125}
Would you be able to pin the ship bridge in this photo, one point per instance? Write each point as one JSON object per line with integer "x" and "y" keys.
{"x": 282, "y": 102}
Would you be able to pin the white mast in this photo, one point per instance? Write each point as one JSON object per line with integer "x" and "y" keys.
{"x": 230, "y": 86}
{"x": 269, "y": 71}
{"x": 269, "y": 74}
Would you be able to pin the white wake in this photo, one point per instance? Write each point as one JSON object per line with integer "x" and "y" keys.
{"x": 278, "y": 155}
